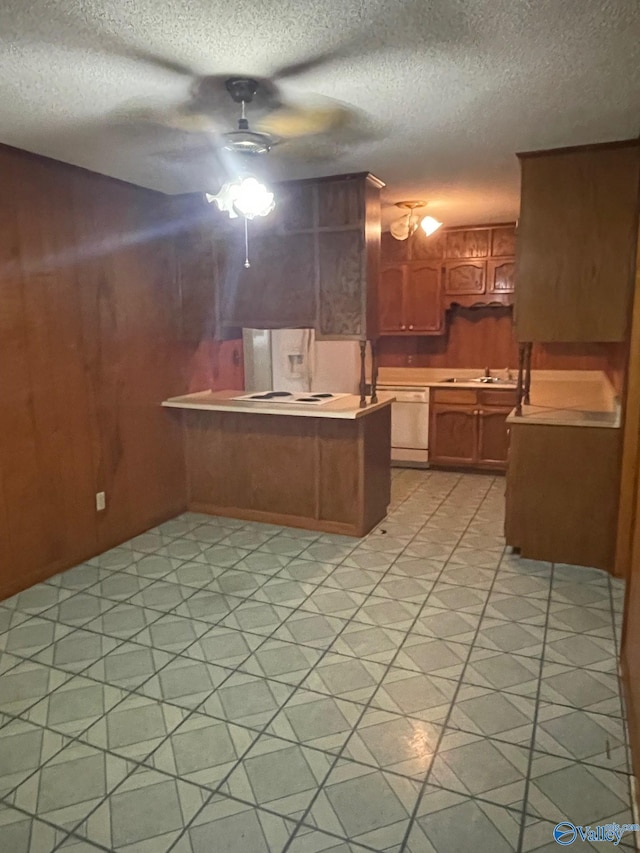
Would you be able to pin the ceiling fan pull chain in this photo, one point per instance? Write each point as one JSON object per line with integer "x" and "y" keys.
{"x": 247, "y": 263}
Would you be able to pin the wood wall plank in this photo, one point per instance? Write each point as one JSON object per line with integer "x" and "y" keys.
{"x": 90, "y": 312}
{"x": 483, "y": 337}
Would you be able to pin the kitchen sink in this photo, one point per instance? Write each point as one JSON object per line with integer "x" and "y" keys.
{"x": 485, "y": 380}
{"x": 494, "y": 380}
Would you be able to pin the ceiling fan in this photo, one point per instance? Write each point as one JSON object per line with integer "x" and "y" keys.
{"x": 311, "y": 127}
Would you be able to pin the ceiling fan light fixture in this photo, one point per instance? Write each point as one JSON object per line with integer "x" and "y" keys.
{"x": 430, "y": 225}
{"x": 243, "y": 197}
{"x": 401, "y": 228}
{"x": 248, "y": 142}
{"x": 408, "y": 224}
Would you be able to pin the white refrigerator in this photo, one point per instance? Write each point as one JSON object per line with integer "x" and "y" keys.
{"x": 292, "y": 360}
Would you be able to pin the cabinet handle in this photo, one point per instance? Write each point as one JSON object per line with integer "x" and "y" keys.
{"x": 411, "y": 327}
{"x": 403, "y": 327}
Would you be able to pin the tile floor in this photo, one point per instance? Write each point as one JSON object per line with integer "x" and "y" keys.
{"x": 219, "y": 687}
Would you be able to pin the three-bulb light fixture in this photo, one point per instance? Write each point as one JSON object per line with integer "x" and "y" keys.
{"x": 246, "y": 197}
{"x": 409, "y": 223}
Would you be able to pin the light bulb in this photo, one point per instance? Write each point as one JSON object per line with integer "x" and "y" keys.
{"x": 253, "y": 199}
{"x": 245, "y": 196}
{"x": 429, "y": 225}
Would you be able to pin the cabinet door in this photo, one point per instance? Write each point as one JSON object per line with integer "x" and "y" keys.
{"x": 576, "y": 252}
{"x": 295, "y": 205}
{"x": 467, "y": 243}
{"x": 391, "y": 298}
{"x": 422, "y": 298}
{"x": 341, "y": 297}
{"x": 500, "y": 276}
{"x": 340, "y": 203}
{"x": 503, "y": 241}
{"x": 453, "y": 435}
{"x": 464, "y": 277}
{"x": 277, "y": 291}
{"x": 493, "y": 437}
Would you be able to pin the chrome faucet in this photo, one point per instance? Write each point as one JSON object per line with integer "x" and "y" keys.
{"x": 487, "y": 372}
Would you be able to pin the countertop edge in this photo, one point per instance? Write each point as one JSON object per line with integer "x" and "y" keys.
{"x": 559, "y": 418}
{"x": 197, "y": 401}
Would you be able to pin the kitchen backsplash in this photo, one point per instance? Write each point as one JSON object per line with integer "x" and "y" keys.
{"x": 484, "y": 338}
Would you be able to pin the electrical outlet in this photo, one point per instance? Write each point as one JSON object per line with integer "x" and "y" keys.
{"x": 101, "y": 501}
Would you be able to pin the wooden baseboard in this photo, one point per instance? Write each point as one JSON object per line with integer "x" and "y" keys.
{"x": 469, "y": 469}
{"x": 15, "y": 584}
{"x": 319, "y": 524}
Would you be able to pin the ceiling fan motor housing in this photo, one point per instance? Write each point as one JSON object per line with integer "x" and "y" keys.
{"x": 242, "y": 89}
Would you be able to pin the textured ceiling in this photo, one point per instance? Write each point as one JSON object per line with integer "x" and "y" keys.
{"x": 450, "y": 89}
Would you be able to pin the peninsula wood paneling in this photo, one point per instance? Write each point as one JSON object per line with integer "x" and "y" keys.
{"x": 317, "y": 473}
{"x": 89, "y": 328}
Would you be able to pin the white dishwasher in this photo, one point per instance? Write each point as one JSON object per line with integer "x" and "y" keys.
{"x": 409, "y": 425}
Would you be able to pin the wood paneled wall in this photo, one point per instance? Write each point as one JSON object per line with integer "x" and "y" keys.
{"x": 216, "y": 365}
{"x": 628, "y": 544}
{"x": 483, "y": 337}
{"x": 90, "y": 331}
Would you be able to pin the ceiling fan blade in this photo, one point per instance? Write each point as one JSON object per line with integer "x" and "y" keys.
{"x": 164, "y": 62}
{"x": 318, "y": 149}
{"x": 295, "y": 69}
{"x": 187, "y": 120}
{"x": 292, "y": 122}
{"x": 182, "y": 117}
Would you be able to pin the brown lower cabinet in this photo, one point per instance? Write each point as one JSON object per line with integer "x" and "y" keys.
{"x": 467, "y": 427}
{"x": 562, "y": 493}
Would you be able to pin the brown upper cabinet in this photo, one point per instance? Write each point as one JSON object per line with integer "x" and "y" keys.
{"x": 315, "y": 261}
{"x": 423, "y": 276}
{"x": 479, "y": 265}
{"x": 410, "y": 299}
{"x": 575, "y": 259}
{"x": 462, "y": 278}
{"x": 264, "y": 296}
{"x": 467, "y": 243}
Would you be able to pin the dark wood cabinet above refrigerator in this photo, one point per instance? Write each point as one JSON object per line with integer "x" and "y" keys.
{"x": 315, "y": 261}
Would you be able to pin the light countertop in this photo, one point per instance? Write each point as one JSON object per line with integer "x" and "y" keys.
{"x": 346, "y": 408}
{"x": 571, "y": 398}
{"x": 565, "y": 417}
{"x": 558, "y": 397}
{"x": 425, "y": 377}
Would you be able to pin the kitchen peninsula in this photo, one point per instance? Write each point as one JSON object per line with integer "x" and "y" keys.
{"x": 321, "y": 467}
